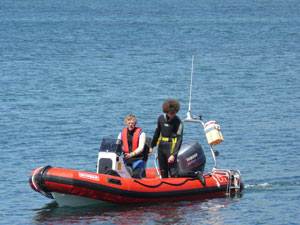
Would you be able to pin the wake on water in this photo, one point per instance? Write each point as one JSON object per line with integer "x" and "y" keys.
{"x": 273, "y": 184}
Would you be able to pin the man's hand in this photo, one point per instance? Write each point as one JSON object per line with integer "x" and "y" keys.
{"x": 127, "y": 155}
{"x": 150, "y": 150}
{"x": 171, "y": 159}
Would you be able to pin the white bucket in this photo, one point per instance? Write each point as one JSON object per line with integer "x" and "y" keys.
{"x": 213, "y": 132}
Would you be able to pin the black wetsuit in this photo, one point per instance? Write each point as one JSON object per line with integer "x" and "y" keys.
{"x": 167, "y": 129}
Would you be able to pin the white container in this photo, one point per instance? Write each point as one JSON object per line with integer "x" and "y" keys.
{"x": 213, "y": 132}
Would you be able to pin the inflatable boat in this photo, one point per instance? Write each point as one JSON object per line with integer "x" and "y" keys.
{"x": 74, "y": 188}
{"x": 113, "y": 182}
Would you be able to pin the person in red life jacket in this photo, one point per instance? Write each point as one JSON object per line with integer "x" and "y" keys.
{"x": 168, "y": 138}
{"x": 133, "y": 141}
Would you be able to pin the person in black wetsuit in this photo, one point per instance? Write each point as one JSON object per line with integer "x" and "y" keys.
{"x": 168, "y": 138}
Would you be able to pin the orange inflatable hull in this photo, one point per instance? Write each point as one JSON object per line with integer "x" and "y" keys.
{"x": 48, "y": 180}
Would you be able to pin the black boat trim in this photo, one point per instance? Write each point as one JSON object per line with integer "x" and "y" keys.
{"x": 164, "y": 182}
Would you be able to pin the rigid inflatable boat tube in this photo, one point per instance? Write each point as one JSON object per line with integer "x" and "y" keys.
{"x": 38, "y": 181}
{"x": 164, "y": 182}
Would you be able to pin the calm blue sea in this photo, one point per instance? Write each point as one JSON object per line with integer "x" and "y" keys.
{"x": 71, "y": 70}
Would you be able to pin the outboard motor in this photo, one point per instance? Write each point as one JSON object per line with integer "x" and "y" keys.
{"x": 190, "y": 160}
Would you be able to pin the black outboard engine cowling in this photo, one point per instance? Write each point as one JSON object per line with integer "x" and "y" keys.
{"x": 190, "y": 160}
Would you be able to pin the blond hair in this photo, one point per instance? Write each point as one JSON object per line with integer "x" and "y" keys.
{"x": 130, "y": 117}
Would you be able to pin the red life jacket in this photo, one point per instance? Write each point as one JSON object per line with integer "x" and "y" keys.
{"x": 135, "y": 139}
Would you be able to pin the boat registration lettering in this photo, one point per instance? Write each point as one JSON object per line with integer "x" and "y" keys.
{"x": 88, "y": 176}
{"x": 220, "y": 178}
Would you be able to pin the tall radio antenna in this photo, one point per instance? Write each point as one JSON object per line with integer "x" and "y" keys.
{"x": 189, "y": 113}
{"x": 191, "y": 84}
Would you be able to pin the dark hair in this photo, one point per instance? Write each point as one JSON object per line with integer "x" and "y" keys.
{"x": 171, "y": 106}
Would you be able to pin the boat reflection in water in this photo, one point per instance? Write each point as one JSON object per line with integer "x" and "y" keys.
{"x": 185, "y": 212}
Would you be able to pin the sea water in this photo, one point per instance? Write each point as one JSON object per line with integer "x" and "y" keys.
{"x": 71, "y": 70}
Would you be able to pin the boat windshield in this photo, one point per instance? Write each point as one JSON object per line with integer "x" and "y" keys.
{"x": 110, "y": 145}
